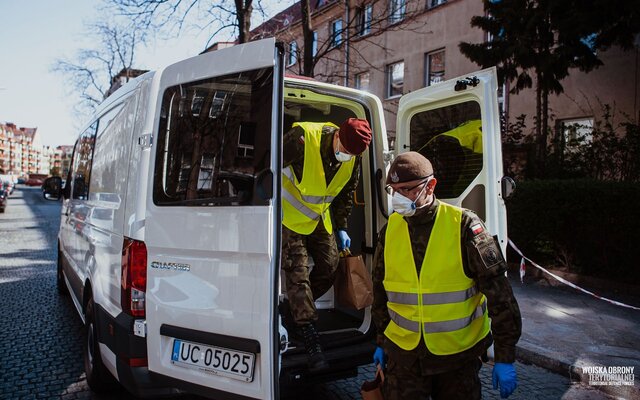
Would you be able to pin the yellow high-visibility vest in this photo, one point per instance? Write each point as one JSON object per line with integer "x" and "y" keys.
{"x": 443, "y": 305}
{"x": 306, "y": 201}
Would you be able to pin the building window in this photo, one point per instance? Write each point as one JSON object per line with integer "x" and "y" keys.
{"x": 362, "y": 81}
{"x": 395, "y": 79}
{"x": 336, "y": 33}
{"x": 435, "y": 3}
{"x": 293, "y": 53}
{"x": 434, "y": 71}
{"x": 577, "y": 132}
{"x": 314, "y": 43}
{"x": 364, "y": 15}
{"x": 397, "y": 10}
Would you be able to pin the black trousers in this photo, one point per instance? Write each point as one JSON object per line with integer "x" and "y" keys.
{"x": 404, "y": 382}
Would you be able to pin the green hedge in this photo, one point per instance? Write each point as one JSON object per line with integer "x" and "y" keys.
{"x": 591, "y": 227}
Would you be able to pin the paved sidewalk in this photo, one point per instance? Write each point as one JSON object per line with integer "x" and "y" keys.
{"x": 564, "y": 330}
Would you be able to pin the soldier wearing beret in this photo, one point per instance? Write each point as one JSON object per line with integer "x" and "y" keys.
{"x": 320, "y": 173}
{"x": 440, "y": 294}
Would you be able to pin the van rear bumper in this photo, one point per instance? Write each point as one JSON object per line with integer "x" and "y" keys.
{"x": 117, "y": 334}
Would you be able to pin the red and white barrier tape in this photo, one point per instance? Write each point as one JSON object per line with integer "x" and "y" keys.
{"x": 566, "y": 282}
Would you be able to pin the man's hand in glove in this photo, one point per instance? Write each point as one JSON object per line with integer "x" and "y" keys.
{"x": 344, "y": 241}
{"x": 380, "y": 358}
{"x": 504, "y": 375}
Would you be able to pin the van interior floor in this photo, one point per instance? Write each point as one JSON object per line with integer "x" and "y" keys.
{"x": 336, "y": 327}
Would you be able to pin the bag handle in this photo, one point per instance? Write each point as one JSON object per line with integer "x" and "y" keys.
{"x": 380, "y": 373}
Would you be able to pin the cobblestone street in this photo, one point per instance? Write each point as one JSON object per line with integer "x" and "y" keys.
{"x": 41, "y": 341}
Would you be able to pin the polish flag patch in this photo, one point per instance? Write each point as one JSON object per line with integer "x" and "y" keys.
{"x": 477, "y": 229}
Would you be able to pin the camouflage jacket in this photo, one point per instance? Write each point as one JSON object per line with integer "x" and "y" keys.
{"x": 482, "y": 261}
{"x": 293, "y": 154}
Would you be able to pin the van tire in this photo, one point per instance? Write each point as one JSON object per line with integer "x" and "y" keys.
{"x": 98, "y": 377}
{"x": 60, "y": 284}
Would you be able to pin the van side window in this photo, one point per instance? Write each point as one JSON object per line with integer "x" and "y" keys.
{"x": 214, "y": 140}
{"x": 82, "y": 161}
{"x": 114, "y": 129}
{"x": 451, "y": 137}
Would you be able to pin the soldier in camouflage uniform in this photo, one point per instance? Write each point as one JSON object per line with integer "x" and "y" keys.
{"x": 336, "y": 152}
{"x": 413, "y": 371}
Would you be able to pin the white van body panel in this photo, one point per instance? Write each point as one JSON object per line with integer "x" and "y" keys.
{"x": 445, "y": 95}
{"x": 227, "y": 287}
{"x": 138, "y": 162}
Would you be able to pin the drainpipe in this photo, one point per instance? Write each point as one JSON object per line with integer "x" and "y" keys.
{"x": 346, "y": 43}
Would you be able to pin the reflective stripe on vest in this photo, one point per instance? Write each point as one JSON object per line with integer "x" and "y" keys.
{"x": 289, "y": 174}
{"x": 437, "y": 327}
{"x": 306, "y": 201}
{"x": 442, "y": 306}
{"x": 433, "y": 298}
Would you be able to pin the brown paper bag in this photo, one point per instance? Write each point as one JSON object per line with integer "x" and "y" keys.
{"x": 353, "y": 285}
{"x": 372, "y": 390}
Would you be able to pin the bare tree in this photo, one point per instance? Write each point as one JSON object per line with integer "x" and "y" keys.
{"x": 359, "y": 24}
{"x": 171, "y": 16}
{"x": 91, "y": 73}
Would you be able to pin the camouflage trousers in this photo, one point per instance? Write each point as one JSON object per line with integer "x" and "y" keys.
{"x": 304, "y": 287}
{"x": 407, "y": 382}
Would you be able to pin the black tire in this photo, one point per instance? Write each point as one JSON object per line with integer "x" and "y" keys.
{"x": 99, "y": 378}
{"x": 60, "y": 283}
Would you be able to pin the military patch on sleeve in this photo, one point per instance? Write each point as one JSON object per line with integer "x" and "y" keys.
{"x": 477, "y": 229}
{"x": 490, "y": 254}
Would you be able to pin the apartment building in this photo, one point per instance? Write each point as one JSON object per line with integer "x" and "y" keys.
{"x": 21, "y": 152}
{"x": 393, "y": 47}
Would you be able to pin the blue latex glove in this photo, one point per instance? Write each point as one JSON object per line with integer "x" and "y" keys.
{"x": 504, "y": 375}
{"x": 380, "y": 358}
{"x": 344, "y": 241}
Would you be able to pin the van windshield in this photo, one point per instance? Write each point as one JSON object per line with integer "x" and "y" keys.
{"x": 214, "y": 139}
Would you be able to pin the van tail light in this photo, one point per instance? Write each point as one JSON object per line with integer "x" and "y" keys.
{"x": 133, "y": 284}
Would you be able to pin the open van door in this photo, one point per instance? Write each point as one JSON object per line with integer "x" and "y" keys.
{"x": 456, "y": 125}
{"x": 212, "y": 229}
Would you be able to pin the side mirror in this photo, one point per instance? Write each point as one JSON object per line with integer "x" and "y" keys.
{"x": 508, "y": 187}
{"x": 52, "y": 188}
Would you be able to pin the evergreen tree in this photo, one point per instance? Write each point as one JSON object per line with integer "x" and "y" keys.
{"x": 544, "y": 39}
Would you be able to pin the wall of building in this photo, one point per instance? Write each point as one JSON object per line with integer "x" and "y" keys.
{"x": 444, "y": 27}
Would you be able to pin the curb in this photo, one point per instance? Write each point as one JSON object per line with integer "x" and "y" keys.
{"x": 531, "y": 354}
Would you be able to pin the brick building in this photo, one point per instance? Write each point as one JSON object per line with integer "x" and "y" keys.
{"x": 393, "y": 47}
{"x": 21, "y": 152}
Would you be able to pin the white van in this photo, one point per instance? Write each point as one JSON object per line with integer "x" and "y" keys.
{"x": 169, "y": 243}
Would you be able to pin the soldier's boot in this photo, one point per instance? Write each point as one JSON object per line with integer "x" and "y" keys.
{"x": 315, "y": 358}
{"x": 287, "y": 319}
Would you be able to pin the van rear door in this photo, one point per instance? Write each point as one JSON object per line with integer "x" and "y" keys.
{"x": 213, "y": 223}
{"x": 455, "y": 124}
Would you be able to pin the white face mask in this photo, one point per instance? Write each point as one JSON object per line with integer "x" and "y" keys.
{"x": 403, "y": 205}
{"x": 342, "y": 157}
{"x": 406, "y": 207}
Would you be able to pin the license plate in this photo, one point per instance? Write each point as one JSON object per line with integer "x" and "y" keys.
{"x": 216, "y": 360}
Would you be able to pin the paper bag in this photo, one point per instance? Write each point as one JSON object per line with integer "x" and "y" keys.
{"x": 353, "y": 285}
{"x": 372, "y": 390}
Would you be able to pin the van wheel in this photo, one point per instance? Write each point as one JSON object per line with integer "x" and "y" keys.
{"x": 98, "y": 377}
{"x": 60, "y": 284}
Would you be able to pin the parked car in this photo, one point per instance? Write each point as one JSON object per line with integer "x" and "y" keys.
{"x": 6, "y": 182}
{"x": 3, "y": 200}
{"x": 35, "y": 182}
